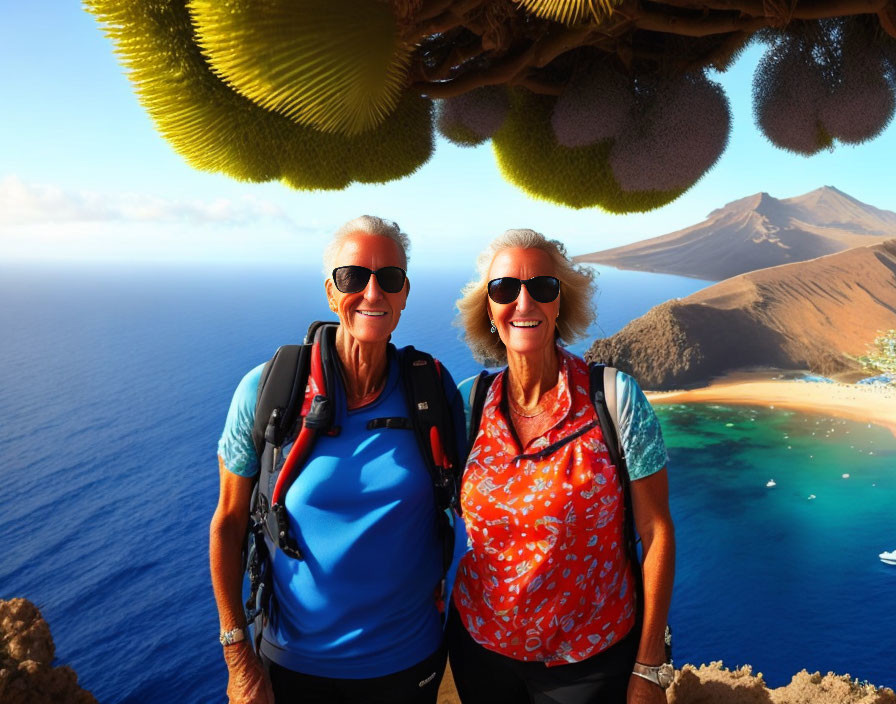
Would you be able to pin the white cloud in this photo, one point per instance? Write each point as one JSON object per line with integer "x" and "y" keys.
{"x": 27, "y": 203}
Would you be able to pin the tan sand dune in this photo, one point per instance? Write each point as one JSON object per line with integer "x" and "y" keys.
{"x": 816, "y": 315}
{"x": 756, "y": 232}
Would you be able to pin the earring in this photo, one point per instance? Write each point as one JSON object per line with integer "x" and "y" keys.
{"x": 494, "y": 329}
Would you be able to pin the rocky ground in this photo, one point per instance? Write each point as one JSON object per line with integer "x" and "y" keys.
{"x": 26, "y": 655}
{"x": 28, "y": 677}
{"x": 713, "y": 684}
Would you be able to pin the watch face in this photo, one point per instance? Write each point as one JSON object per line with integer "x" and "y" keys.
{"x": 665, "y": 674}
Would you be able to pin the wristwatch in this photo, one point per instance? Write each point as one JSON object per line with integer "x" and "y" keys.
{"x": 660, "y": 675}
{"x": 234, "y": 635}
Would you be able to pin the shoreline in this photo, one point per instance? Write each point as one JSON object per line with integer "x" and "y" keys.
{"x": 865, "y": 403}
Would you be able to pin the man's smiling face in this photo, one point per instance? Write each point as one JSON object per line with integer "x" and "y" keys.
{"x": 370, "y": 315}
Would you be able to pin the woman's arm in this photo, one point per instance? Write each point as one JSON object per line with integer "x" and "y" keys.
{"x": 650, "y": 502}
{"x": 248, "y": 683}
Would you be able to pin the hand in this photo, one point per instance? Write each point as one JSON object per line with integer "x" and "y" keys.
{"x": 248, "y": 682}
{"x": 640, "y": 691}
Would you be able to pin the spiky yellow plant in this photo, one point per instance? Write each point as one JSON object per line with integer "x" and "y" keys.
{"x": 529, "y": 156}
{"x": 571, "y": 12}
{"x": 337, "y": 65}
{"x": 216, "y": 129}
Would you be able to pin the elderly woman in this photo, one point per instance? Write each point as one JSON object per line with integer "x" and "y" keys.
{"x": 355, "y": 619}
{"x": 545, "y": 600}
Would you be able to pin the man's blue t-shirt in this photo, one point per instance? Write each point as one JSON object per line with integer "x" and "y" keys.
{"x": 362, "y": 601}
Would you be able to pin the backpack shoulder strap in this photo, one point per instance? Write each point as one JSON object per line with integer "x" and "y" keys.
{"x": 280, "y": 389}
{"x": 603, "y": 396}
{"x": 432, "y": 420}
{"x": 481, "y": 385}
{"x": 612, "y": 403}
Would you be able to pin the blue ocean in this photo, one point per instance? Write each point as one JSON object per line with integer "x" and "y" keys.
{"x": 114, "y": 384}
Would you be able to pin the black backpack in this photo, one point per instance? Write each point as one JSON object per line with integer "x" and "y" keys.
{"x": 278, "y": 420}
{"x": 603, "y": 396}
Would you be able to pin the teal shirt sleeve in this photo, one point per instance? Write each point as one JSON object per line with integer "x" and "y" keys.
{"x": 235, "y": 446}
{"x": 464, "y": 388}
{"x": 641, "y": 437}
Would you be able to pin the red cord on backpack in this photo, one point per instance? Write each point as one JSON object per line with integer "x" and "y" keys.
{"x": 298, "y": 453}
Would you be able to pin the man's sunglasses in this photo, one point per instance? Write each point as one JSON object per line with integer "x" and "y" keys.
{"x": 353, "y": 279}
{"x": 543, "y": 289}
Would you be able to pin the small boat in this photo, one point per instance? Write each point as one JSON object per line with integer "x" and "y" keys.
{"x": 888, "y": 557}
{"x": 771, "y": 482}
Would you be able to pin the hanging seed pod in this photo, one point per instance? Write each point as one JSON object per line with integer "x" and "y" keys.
{"x": 595, "y": 105}
{"x": 473, "y": 117}
{"x": 677, "y": 133}
{"x": 337, "y": 65}
{"x": 529, "y": 156}
{"x": 861, "y": 103}
{"x": 789, "y": 88}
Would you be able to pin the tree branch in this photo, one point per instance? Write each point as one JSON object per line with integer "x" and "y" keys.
{"x": 537, "y": 86}
{"x": 539, "y": 54}
{"x": 452, "y": 17}
{"x": 433, "y": 8}
{"x": 822, "y": 9}
{"x": 456, "y": 58}
{"x": 811, "y": 10}
{"x": 887, "y": 17}
{"x": 697, "y": 26}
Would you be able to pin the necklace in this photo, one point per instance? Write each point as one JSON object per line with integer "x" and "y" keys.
{"x": 519, "y": 411}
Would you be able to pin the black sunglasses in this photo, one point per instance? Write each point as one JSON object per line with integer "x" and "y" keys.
{"x": 543, "y": 289}
{"x": 353, "y": 279}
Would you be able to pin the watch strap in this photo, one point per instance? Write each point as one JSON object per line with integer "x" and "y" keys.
{"x": 234, "y": 635}
{"x": 661, "y": 675}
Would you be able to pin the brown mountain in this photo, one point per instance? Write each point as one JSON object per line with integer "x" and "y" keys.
{"x": 756, "y": 232}
{"x": 811, "y": 315}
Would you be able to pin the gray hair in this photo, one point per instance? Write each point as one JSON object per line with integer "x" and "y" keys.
{"x": 371, "y": 225}
{"x": 576, "y": 292}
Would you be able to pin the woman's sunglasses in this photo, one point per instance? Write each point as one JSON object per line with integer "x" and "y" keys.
{"x": 353, "y": 279}
{"x": 543, "y": 289}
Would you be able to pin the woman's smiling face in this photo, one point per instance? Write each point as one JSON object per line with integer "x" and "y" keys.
{"x": 525, "y": 325}
{"x": 370, "y": 315}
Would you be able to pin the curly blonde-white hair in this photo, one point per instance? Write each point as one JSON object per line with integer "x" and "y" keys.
{"x": 576, "y": 292}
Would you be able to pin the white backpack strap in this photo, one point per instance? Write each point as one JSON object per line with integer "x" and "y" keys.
{"x": 610, "y": 397}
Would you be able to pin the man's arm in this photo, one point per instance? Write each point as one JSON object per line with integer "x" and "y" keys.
{"x": 248, "y": 682}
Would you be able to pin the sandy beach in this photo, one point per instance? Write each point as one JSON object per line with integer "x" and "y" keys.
{"x": 867, "y": 403}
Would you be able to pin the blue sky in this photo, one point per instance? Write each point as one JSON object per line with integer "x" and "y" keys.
{"x": 84, "y": 176}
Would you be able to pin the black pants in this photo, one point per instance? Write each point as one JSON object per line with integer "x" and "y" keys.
{"x": 419, "y": 684}
{"x": 485, "y": 677}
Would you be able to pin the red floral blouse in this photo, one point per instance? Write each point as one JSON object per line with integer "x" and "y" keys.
{"x": 547, "y": 578}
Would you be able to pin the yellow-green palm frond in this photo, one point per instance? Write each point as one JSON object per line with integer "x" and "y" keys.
{"x": 529, "y": 156}
{"x": 570, "y": 12}
{"x": 396, "y": 148}
{"x": 208, "y": 124}
{"x": 337, "y": 65}
{"x": 216, "y": 129}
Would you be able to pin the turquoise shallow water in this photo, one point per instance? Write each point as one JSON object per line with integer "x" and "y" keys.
{"x": 767, "y": 575}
